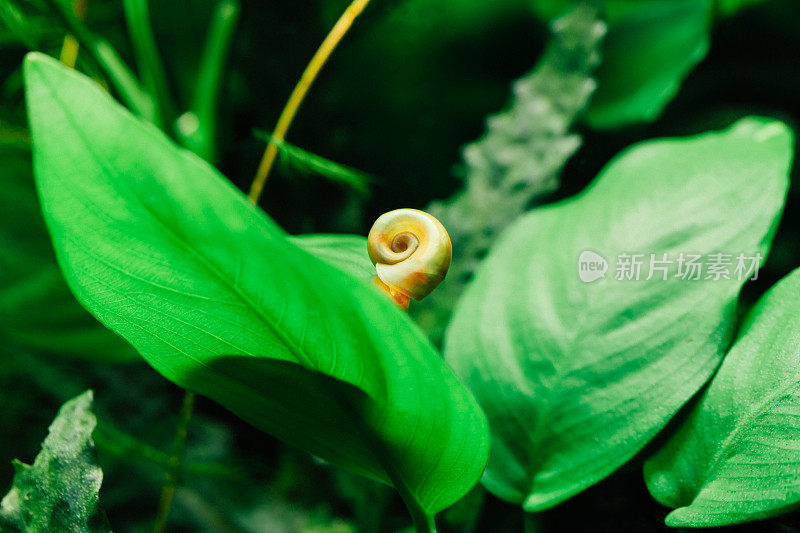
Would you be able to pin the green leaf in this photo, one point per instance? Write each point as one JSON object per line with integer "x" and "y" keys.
{"x": 59, "y": 492}
{"x": 305, "y": 162}
{"x": 19, "y": 25}
{"x": 576, "y": 377}
{"x": 735, "y": 458}
{"x": 37, "y": 310}
{"x": 348, "y": 253}
{"x": 208, "y": 85}
{"x": 549, "y": 9}
{"x": 651, "y": 46}
{"x": 731, "y": 7}
{"x": 164, "y": 251}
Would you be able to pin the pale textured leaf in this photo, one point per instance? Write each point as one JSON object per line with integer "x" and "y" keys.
{"x": 737, "y": 457}
{"x": 576, "y": 377}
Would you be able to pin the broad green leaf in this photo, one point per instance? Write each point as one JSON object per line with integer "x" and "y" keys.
{"x": 164, "y": 251}
{"x": 735, "y": 459}
{"x": 59, "y": 492}
{"x": 576, "y": 377}
{"x": 348, "y": 253}
{"x": 37, "y": 310}
{"x": 651, "y": 46}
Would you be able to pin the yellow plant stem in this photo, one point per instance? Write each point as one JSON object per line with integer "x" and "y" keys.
{"x": 70, "y": 47}
{"x": 298, "y": 94}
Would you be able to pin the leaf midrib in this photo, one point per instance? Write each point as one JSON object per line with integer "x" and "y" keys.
{"x": 302, "y": 358}
{"x": 382, "y": 456}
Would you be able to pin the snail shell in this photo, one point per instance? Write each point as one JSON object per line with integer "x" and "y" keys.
{"x": 411, "y": 252}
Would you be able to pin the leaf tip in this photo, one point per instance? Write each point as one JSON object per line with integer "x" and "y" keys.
{"x": 33, "y": 62}
{"x": 764, "y": 129}
{"x": 680, "y": 517}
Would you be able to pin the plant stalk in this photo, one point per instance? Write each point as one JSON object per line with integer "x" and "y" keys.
{"x": 422, "y": 521}
{"x": 171, "y": 480}
{"x": 70, "y": 47}
{"x": 298, "y": 94}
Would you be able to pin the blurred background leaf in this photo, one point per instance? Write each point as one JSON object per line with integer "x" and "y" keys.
{"x": 651, "y": 46}
{"x": 295, "y": 160}
{"x": 37, "y": 310}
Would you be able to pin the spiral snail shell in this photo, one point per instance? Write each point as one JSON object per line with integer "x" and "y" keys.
{"x": 411, "y": 252}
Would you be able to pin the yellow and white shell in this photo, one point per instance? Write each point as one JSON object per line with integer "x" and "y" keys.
{"x": 411, "y": 252}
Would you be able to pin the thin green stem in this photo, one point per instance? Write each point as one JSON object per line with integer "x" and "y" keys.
{"x": 298, "y": 94}
{"x": 120, "y": 76}
{"x": 151, "y": 69}
{"x": 530, "y": 522}
{"x": 171, "y": 480}
{"x": 198, "y": 128}
{"x": 423, "y": 522}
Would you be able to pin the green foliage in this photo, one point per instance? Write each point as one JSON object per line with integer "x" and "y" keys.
{"x": 731, "y": 7}
{"x": 651, "y": 46}
{"x": 18, "y": 25}
{"x": 519, "y": 158}
{"x": 576, "y": 377}
{"x": 37, "y": 310}
{"x": 164, "y": 251}
{"x": 299, "y": 160}
{"x": 59, "y": 492}
{"x": 735, "y": 458}
{"x": 201, "y": 134}
{"x": 348, "y": 253}
{"x": 549, "y": 9}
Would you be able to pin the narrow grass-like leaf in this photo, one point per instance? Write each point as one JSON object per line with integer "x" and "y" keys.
{"x": 305, "y": 162}
{"x": 577, "y": 374}
{"x": 151, "y": 69}
{"x": 737, "y": 456}
{"x": 164, "y": 251}
{"x": 205, "y": 101}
